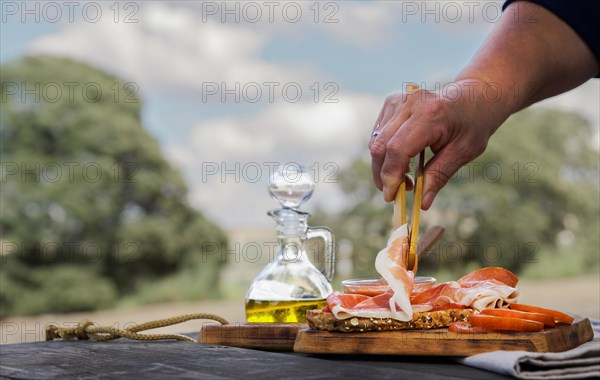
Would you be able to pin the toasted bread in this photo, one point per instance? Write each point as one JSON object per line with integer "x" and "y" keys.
{"x": 325, "y": 320}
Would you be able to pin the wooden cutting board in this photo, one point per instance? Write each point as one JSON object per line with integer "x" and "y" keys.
{"x": 441, "y": 342}
{"x": 262, "y": 336}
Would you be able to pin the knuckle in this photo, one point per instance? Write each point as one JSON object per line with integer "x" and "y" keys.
{"x": 393, "y": 149}
{"x": 435, "y": 109}
{"x": 442, "y": 175}
{"x": 398, "y": 148}
{"x": 377, "y": 148}
{"x": 393, "y": 99}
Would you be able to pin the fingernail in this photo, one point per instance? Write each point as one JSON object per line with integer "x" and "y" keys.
{"x": 428, "y": 199}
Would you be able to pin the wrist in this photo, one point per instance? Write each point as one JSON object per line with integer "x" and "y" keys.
{"x": 490, "y": 100}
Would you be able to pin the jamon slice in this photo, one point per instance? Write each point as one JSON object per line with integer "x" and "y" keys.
{"x": 490, "y": 273}
{"x": 391, "y": 263}
{"x": 357, "y": 305}
{"x": 481, "y": 289}
{"x": 346, "y": 305}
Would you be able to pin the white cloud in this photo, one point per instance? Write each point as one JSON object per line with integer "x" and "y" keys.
{"x": 170, "y": 50}
{"x": 221, "y": 156}
{"x": 364, "y": 24}
{"x": 359, "y": 23}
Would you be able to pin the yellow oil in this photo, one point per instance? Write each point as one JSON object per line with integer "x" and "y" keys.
{"x": 281, "y": 311}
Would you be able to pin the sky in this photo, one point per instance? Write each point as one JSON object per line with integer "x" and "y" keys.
{"x": 231, "y": 89}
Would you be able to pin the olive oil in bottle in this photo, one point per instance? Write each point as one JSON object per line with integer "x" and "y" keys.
{"x": 291, "y": 284}
{"x": 281, "y": 311}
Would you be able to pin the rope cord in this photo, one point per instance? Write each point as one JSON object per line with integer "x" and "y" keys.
{"x": 89, "y": 330}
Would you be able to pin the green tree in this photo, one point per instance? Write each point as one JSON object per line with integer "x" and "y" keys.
{"x": 90, "y": 209}
{"x": 530, "y": 203}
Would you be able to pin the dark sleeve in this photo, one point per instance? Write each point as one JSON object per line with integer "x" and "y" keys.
{"x": 583, "y": 16}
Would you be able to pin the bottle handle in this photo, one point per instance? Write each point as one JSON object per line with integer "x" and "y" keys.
{"x": 329, "y": 241}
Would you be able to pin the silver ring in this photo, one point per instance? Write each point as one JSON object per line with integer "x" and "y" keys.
{"x": 376, "y": 131}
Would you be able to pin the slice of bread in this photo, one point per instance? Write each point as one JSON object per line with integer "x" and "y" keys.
{"x": 325, "y": 320}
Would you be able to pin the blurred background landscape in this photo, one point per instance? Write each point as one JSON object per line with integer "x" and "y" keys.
{"x": 136, "y": 144}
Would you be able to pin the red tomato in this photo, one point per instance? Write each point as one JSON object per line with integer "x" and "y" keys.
{"x": 464, "y": 328}
{"x": 546, "y": 319}
{"x": 558, "y": 316}
{"x": 494, "y": 323}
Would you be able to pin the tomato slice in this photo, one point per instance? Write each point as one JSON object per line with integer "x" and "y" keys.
{"x": 464, "y": 328}
{"x": 558, "y": 316}
{"x": 546, "y": 319}
{"x": 494, "y": 323}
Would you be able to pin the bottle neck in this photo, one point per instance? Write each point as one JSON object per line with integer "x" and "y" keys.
{"x": 291, "y": 234}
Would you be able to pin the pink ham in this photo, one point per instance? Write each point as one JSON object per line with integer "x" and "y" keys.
{"x": 482, "y": 289}
{"x": 391, "y": 263}
{"x": 491, "y": 273}
{"x": 357, "y": 305}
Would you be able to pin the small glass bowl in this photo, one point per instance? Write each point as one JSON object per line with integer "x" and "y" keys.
{"x": 376, "y": 286}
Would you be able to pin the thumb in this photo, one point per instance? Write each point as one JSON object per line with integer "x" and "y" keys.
{"x": 438, "y": 171}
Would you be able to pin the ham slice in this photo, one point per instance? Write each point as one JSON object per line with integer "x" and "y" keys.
{"x": 478, "y": 295}
{"x": 482, "y": 289}
{"x": 491, "y": 273}
{"x": 391, "y": 263}
{"x": 357, "y": 305}
{"x": 344, "y": 305}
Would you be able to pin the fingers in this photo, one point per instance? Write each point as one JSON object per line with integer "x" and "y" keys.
{"x": 390, "y": 119}
{"x": 376, "y": 128}
{"x": 438, "y": 172}
{"x": 410, "y": 123}
{"x": 410, "y": 139}
{"x": 376, "y": 160}
{"x": 394, "y": 167}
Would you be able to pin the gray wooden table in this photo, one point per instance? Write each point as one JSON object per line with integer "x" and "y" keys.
{"x": 128, "y": 359}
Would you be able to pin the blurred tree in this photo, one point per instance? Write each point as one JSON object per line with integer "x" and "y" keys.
{"x": 530, "y": 203}
{"x": 90, "y": 208}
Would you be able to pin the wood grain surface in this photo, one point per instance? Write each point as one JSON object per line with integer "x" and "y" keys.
{"x": 264, "y": 336}
{"x": 441, "y": 342}
{"x": 438, "y": 342}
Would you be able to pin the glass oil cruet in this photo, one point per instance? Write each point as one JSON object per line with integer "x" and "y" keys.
{"x": 290, "y": 285}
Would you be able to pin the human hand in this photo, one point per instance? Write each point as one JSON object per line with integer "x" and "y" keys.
{"x": 456, "y": 122}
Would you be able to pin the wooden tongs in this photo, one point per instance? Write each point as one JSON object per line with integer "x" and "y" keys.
{"x": 434, "y": 233}
{"x": 399, "y": 217}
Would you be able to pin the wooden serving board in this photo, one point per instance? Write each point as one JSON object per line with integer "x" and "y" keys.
{"x": 262, "y": 336}
{"x": 441, "y": 342}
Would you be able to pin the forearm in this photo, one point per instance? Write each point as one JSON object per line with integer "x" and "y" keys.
{"x": 530, "y": 55}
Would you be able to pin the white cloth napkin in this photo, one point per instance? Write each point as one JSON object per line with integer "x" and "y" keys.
{"x": 579, "y": 363}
